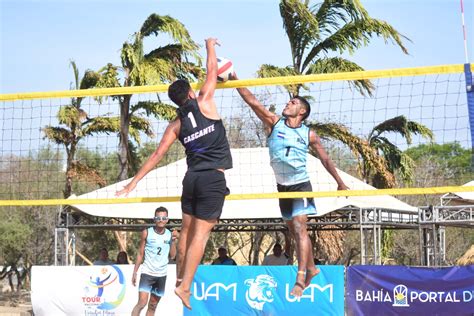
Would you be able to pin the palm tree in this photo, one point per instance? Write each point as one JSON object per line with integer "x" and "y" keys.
{"x": 163, "y": 64}
{"x": 395, "y": 159}
{"x": 332, "y": 26}
{"x": 75, "y": 125}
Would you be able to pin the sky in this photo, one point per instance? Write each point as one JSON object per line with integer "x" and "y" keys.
{"x": 39, "y": 38}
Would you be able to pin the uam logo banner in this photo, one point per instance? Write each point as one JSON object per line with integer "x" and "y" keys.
{"x": 260, "y": 291}
{"x": 401, "y": 290}
{"x": 265, "y": 290}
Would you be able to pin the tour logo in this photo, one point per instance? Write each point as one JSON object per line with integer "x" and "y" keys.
{"x": 104, "y": 289}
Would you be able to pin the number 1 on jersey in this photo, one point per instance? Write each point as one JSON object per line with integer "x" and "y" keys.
{"x": 193, "y": 121}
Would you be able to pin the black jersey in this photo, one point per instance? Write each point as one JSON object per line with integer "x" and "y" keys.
{"x": 204, "y": 139}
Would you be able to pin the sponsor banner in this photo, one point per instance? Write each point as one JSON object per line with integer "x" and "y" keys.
{"x": 401, "y": 290}
{"x": 265, "y": 290}
{"x": 93, "y": 290}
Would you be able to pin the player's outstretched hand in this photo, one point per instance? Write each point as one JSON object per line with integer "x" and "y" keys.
{"x": 233, "y": 76}
{"x": 212, "y": 41}
{"x": 134, "y": 279}
{"x": 126, "y": 189}
{"x": 342, "y": 186}
{"x": 174, "y": 234}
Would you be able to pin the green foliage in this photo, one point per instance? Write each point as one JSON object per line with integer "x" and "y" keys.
{"x": 451, "y": 161}
{"x": 330, "y": 27}
{"x": 159, "y": 110}
{"x": 14, "y": 236}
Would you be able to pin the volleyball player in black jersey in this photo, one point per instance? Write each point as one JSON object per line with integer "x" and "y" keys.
{"x": 202, "y": 133}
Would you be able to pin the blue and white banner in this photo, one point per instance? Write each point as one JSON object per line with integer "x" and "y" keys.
{"x": 401, "y": 290}
{"x": 265, "y": 290}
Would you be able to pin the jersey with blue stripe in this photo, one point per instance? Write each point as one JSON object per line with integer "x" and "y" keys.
{"x": 288, "y": 149}
{"x": 157, "y": 249}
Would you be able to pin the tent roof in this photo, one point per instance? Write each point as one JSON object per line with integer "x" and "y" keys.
{"x": 463, "y": 198}
{"x": 251, "y": 174}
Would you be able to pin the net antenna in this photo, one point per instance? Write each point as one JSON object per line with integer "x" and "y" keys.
{"x": 466, "y": 55}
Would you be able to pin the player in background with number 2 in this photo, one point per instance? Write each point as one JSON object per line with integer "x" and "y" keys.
{"x": 288, "y": 143}
{"x": 157, "y": 245}
{"x": 201, "y": 131}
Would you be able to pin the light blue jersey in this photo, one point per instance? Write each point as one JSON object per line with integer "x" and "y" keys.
{"x": 288, "y": 149}
{"x": 157, "y": 249}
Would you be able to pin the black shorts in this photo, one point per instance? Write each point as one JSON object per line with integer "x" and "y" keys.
{"x": 294, "y": 207}
{"x": 152, "y": 284}
{"x": 204, "y": 193}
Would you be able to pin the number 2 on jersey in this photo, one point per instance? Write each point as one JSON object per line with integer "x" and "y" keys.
{"x": 193, "y": 121}
{"x": 158, "y": 251}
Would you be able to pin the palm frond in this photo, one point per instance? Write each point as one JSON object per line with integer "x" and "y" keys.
{"x": 358, "y": 146}
{"x": 101, "y": 124}
{"x": 330, "y": 13}
{"x": 59, "y": 135}
{"x": 132, "y": 53}
{"x": 407, "y": 168}
{"x": 71, "y": 116}
{"x": 396, "y": 159}
{"x": 109, "y": 77}
{"x": 301, "y": 27}
{"x": 268, "y": 71}
{"x": 156, "y": 24}
{"x": 403, "y": 126}
{"x": 159, "y": 110}
{"x": 339, "y": 64}
{"x": 89, "y": 80}
{"x": 172, "y": 53}
{"x": 140, "y": 124}
{"x": 83, "y": 172}
{"x": 153, "y": 71}
{"x": 354, "y": 35}
{"x": 76, "y": 73}
{"x": 420, "y": 129}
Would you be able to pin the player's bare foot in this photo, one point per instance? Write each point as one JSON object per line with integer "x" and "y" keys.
{"x": 185, "y": 296}
{"x": 297, "y": 290}
{"x": 310, "y": 274}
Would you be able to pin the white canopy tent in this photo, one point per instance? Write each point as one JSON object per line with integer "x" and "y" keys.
{"x": 251, "y": 173}
{"x": 459, "y": 198}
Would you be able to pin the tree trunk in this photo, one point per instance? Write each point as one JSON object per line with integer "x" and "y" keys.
{"x": 70, "y": 158}
{"x": 255, "y": 249}
{"x": 124, "y": 157}
{"x": 123, "y": 138}
{"x": 329, "y": 245}
{"x": 121, "y": 237}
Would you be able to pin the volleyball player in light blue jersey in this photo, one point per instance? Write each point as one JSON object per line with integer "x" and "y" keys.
{"x": 157, "y": 245}
{"x": 289, "y": 141}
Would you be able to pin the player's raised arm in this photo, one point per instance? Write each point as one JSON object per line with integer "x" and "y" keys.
{"x": 170, "y": 135}
{"x": 206, "y": 93}
{"x": 268, "y": 118}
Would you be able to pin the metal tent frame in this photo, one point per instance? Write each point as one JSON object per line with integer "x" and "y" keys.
{"x": 430, "y": 222}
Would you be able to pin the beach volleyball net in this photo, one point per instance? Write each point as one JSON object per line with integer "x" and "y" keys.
{"x": 405, "y": 131}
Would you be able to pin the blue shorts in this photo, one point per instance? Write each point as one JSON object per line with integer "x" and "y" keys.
{"x": 152, "y": 284}
{"x": 295, "y": 207}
